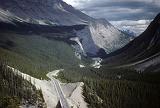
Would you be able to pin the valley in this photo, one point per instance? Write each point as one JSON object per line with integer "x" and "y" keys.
{"x": 55, "y": 56}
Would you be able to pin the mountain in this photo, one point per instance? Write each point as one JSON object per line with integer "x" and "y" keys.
{"x": 129, "y": 32}
{"x": 55, "y": 11}
{"x": 39, "y": 37}
{"x": 98, "y": 37}
{"x": 143, "y": 53}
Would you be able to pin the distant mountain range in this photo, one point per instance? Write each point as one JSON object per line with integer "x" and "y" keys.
{"x": 129, "y": 32}
{"x": 98, "y": 37}
{"x": 143, "y": 53}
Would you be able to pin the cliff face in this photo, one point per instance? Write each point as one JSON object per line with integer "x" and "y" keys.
{"x": 98, "y": 35}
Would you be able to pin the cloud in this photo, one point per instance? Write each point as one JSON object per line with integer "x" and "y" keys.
{"x": 136, "y": 26}
{"x": 119, "y": 10}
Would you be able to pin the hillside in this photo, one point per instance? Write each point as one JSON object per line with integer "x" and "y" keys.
{"x": 50, "y": 37}
{"x": 142, "y": 52}
{"x": 94, "y": 36}
{"x": 16, "y": 92}
{"x": 36, "y": 54}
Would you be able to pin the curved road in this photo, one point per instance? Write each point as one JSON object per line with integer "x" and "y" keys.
{"x": 62, "y": 99}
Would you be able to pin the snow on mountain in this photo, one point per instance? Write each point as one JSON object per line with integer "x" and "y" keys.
{"x": 130, "y": 32}
{"x": 76, "y": 39}
{"x": 79, "y": 50}
{"x": 6, "y": 16}
{"x": 97, "y": 63}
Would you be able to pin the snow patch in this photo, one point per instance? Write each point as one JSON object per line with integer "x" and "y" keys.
{"x": 78, "y": 55}
{"x": 5, "y": 16}
{"x": 82, "y": 66}
{"x": 79, "y": 48}
{"x": 97, "y": 62}
{"x": 41, "y": 22}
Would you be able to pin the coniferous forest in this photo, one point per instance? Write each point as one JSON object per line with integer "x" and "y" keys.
{"x": 116, "y": 88}
{"x": 15, "y": 91}
{"x": 118, "y": 70}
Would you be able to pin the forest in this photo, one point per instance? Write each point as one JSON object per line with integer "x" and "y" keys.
{"x": 116, "y": 88}
{"x": 107, "y": 87}
{"x": 15, "y": 91}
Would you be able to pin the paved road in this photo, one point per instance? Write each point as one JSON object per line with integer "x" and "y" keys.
{"x": 63, "y": 101}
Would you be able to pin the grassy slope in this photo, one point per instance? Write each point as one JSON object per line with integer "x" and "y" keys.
{"x": 35, "y": 55}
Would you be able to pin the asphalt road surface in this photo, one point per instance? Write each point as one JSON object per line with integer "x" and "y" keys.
{"x": 62, "y": 99}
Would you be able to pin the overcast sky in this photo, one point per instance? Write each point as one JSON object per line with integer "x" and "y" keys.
{"x": 134, "y": 15}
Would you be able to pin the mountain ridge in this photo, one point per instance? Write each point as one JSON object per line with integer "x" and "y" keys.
{"x": 99, "y": 37}
{"x": 139, "y": 51}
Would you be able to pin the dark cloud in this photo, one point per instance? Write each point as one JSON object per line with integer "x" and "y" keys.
{"x": 120, "y": 12}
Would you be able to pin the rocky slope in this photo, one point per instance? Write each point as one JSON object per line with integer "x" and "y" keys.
{"x": 98, "y": 37}
{"x": 141, "y": 53}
